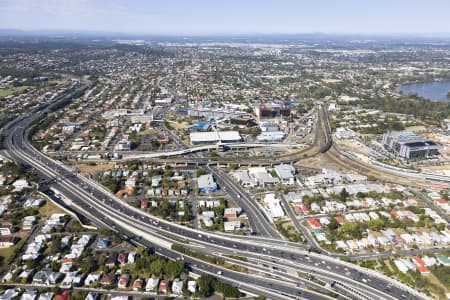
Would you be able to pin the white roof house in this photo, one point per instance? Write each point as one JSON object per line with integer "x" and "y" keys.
{"x": 151, "y": 285}
{"x": 192, "y": 286}
{"x": 177, "y": 286}
{"x": 231, "y": 225}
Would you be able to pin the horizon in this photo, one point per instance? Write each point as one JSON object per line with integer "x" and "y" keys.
{"x": 238, "y": 18}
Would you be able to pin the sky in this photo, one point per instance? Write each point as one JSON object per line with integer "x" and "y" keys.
{"x": 205, "y": 17}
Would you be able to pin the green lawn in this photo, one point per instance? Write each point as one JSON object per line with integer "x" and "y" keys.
{"x": 9, "y": 91}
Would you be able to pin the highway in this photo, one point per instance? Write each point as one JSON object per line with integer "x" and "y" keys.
{"x": 259, "y": 221}
{"x": 115, "y": 216}
{"x": 106, "y": 210}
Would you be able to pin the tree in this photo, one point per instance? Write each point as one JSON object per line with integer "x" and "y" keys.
{"x": 157, "y": 266}
{"x": 205, "y": 286}
{"x": 333, "y": 225}
{"x": 88, "y": 264}
{"x": 174, "y": 268}
{"x": 343, "y": 195}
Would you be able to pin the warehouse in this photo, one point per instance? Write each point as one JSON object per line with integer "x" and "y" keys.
{"x": 212, "y": 137}
{"x": 286, "y": 173}
{"x": 206, "y": 184}
{"x": 271, "y": 136}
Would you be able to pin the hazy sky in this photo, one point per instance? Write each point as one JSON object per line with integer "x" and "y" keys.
{"x": 229, "y": 16}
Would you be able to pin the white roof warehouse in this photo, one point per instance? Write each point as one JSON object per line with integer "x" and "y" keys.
{"x": 212, "y": 137}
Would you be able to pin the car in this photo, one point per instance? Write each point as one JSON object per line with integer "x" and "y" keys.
{"x": 219, "y": 273}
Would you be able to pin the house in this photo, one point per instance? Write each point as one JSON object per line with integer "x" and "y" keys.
{"x": 421, "y": 265}
{"x": 46, "y": 296}
{"x": 340, "y": 220}
{"x": 208, "y": 222}
{"x": 8, "y": 241}
{"x": 107, "y": 279}
{"x": 65, "y": 295}
{"x": 163, "y": 286}
{"x": 122, "y": 258}
{"x": 6, "y": 230}
{"x": 131, "y": 257}
{"x": 231, "y": 225}
{"x": 137, "y": 284}
{"x": 9, "y": 294}
{"x": 314, "y": 223}
{"x": 444, "y": 260}
{"x": 232, "y": 212}
{"x": 20, "y": 184}
{"x": 151, "y": 285}
{"x": 91, "y": 278}
{"x": 401, "y": 266}
{"x": 177, "y": 286}
{"x": 125, "y": 192}
{"x": 208, "y": 214}
{"x": 103, "y": 243}
{"x": 29, "y": 295}
{"x": 192, "y": 286}
{"x": 92, "y": 296}
{"x": 144, "y": 204}
{"x": 123, "y": 281}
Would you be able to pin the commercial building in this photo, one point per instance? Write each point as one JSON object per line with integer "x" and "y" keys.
{"x": 263, "y": 178}
{"x": 274, "y": 206}
{"x": 271, "y": 136}
{"x": 269, "y": 127}
{"x": 206, "y": 183}
{"x": 344, "y": 133}
{"x": 408, "y": 145}
{"x": 212, "y": 137}
{"x": 272, "y": 110}
{"x": 200, "y": 126}
{"x": 123, "y": 146}
{"x": 286, "y": 173}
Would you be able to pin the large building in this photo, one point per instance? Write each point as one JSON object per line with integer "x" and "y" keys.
{"x": 212, "y": 137}
{"x": 408, "y": 145}
{"x": 206, "y": 183}
{"x": 272, "y": 110}
{"x": 286, "y": 173}
{"x": 271, "y": 136}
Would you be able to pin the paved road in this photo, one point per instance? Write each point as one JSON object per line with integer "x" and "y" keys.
{"x": 111, "y": 212}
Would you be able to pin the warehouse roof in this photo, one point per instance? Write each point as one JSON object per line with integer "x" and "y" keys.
{"x": 213, "y": 136}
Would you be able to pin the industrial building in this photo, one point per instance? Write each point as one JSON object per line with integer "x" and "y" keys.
{"x": 286, "y": 173}
{"x": 212, "y": 137}
{"x": 206, "y": 183}
{"x": 344, "y": 133}
{"x": 408, "y": 145}
{"x": 271, "y": 136}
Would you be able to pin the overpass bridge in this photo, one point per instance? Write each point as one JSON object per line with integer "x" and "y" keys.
{"x": 218, "y": 146}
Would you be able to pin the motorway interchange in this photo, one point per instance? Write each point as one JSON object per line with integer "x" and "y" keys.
{"x": 274, "y": 265}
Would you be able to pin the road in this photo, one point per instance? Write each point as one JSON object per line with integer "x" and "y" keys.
{"x": 106, "y": 210}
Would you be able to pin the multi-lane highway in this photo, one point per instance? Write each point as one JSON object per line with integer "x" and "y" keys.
{"x": 105, "y": 209}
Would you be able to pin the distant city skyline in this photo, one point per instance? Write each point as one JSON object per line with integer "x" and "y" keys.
{"x": 203, "y": 17}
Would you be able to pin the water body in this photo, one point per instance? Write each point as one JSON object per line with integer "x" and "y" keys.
{"x": 435, "y": 91}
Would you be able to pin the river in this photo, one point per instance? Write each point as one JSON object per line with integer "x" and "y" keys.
{"x": 435, "y": 91}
